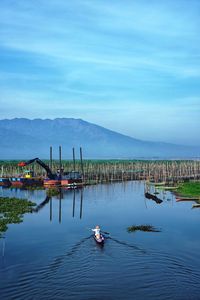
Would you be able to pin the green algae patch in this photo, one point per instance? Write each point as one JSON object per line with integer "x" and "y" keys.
{"x": 146, "y": 228}
{"x": 12, "y": 211}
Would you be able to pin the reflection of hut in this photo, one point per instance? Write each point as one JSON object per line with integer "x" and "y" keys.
{"x": 153, "y": 197}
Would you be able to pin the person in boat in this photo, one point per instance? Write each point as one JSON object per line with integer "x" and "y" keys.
{"x": 97, "y": 231}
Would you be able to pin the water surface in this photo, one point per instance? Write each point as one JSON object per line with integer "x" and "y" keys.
{"x": 52, "y": 255}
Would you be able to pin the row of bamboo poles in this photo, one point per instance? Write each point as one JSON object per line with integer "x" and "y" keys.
{"x": 100, "y": 171}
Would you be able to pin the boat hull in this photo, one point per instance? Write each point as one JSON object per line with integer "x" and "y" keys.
{"x": 50, "y": 182}
{"x": 21, "y": 181}
{"x": 99, "y": 241}
{"x": 186, "y": 199}
{"x": 5, "y": 181}
{"x": 73, "y": 183}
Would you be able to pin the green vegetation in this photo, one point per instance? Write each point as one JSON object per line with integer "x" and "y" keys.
{"x": 53, "y": 192}
{"x": 148, "y": 228}
{"x": 12, "y": 211}
{"x": 167, "y": 172}
{"x": 190, "y": 189}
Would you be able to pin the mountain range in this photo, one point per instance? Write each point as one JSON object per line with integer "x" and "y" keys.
{"x": 22, "y": 138}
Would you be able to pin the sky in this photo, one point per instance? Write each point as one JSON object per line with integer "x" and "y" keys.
{"x": 132, "y": 66}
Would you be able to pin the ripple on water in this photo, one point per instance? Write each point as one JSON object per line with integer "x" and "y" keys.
{"x": 119, "y": 270}
{"x": 76, "y": 274}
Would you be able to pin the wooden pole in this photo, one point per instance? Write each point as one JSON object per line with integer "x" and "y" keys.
{"x": 74, "y": 165}
{"x": 73, "y": 150}
{"x": 51, "y": 157}
{"x": 60, "y": 162}
{"x": 81, "y": 158}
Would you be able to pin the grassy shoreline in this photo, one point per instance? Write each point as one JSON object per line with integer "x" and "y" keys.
{"x": 189, "y": 189}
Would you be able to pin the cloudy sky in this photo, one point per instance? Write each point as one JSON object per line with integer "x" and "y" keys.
{"x": 132, "y": 66}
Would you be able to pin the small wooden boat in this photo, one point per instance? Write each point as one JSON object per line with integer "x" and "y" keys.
{"x": 156, "y": 183}
{"x": 99, "y": 241}
{"x": 195, "y": 205}
{"x": 169, "y": 187}
{"x": 186, "y": 199}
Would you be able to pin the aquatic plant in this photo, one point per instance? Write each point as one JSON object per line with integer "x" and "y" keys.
{"x": 145, "y": 228}
{"x": 53, "y": 192}
{"x": 12, "y": 211}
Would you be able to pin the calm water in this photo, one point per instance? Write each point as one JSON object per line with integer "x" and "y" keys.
{"x": 51, "y": 255}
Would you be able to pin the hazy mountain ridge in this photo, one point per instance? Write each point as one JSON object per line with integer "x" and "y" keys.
{"x": 25, "y": 138}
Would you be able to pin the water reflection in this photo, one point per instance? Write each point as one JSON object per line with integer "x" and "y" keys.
{"x": 153, "y": 197}
{"x": 158, "y": 195}
{"x": 196, "y": 201}
{"x": 61, "y": 195}
{"x": 67, "y": 263}
{"x": 41, "y": 205}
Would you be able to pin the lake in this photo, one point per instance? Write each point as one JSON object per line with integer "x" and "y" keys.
{"x": 52, "y": 255}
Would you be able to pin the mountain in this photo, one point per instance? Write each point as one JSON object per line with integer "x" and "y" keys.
{"x": 24, "y": 138}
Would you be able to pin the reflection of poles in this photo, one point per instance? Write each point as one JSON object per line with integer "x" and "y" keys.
{"x": 81, "y": 204}
{"x": 145, "y": 202}
{"x": 74, "y": 199}
{"x": 51, "y": 209}
{"x": 60, "y": 196}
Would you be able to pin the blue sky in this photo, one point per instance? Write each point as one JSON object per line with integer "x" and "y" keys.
{"x": 130, "y": 66}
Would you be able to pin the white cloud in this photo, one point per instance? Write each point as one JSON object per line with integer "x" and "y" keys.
{"x": 94, "y": 59}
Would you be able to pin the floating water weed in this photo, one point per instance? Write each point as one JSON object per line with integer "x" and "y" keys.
{"x": 148, "y": 228}
{"x": 12, "y": 211}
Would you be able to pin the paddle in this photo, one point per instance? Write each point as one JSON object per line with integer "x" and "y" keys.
{"x": 105, "y": 232}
